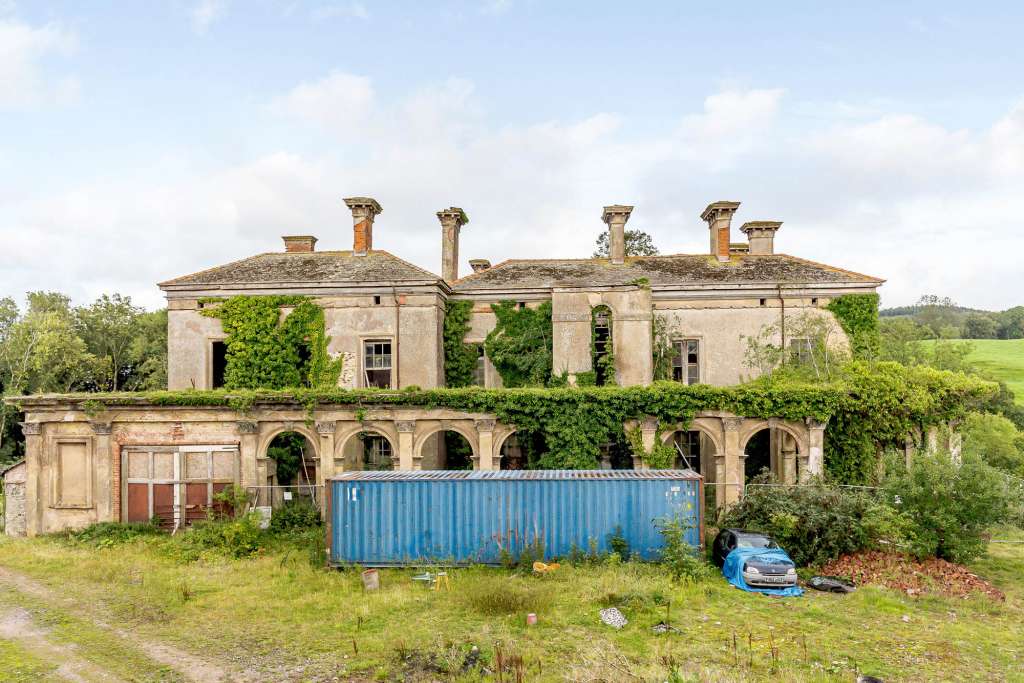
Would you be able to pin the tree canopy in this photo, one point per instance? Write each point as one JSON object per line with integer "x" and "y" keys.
{"x": 638, "y": 243}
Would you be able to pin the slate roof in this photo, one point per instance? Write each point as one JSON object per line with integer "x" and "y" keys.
{"x": 678, "y": 269}
{"x": 308, "y": 267}
{"x": 10, "y": 466}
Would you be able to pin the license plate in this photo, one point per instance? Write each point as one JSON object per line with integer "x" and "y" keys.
{"x": 774, "y": 579}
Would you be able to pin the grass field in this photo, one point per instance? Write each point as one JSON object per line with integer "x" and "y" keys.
{"x": 1004, "y": 358}
{"x": 276, "y": 618}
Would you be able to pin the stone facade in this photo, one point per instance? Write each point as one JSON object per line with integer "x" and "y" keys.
{"x": 14, "y": 499}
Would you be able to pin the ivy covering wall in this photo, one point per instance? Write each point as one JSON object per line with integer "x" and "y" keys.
{"x": 520, "y": 345}
{"x": 858, "y": 316}
{"x": 266, "y": 352}
{"x": 459, "y": 357}
{"x": 871, "y": 407}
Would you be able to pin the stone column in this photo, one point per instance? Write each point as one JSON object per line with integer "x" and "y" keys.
{"x": 103, "y": 495}
{"x": 406, "y": 428}
{"x": 252, "y": 468}
{"x": 649, "y": 437}
{"x": 814, "y": 463}
{"x": 485, "y": 445}
{"x": 33, "y": 461}
{"x": 326, "y": 469}
{"x": 729, "y": 467}
{"x": 956, "y": 443}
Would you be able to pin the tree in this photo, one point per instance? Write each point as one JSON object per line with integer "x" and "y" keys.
{"x": 1011, "y": 323}
{"x": 109, "y": 327}
{"x": 980, "y": 326}
{"x": 638, "y": 243}
{"x": 995, "y": 440}
{"x": 147, "y": 353}
{"x": 937, "y": 313}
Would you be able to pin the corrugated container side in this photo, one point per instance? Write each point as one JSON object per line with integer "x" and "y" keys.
{"x": 465, "y": 520}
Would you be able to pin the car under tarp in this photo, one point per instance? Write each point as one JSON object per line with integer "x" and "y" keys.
{"x": 733, "y": 570}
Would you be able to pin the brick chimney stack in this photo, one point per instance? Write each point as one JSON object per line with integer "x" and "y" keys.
{"x": 761, "y": 236}
{"x": 452, "y": 219}
{"x": 364, "y": 210}
{"x": 718, "y": 216}
{"x": 299, "y": 244}
{"x": 615, "y": 217}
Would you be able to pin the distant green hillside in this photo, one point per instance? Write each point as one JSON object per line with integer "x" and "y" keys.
{"x": 1004, "y": 358}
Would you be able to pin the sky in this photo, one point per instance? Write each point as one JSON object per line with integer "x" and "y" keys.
{"x": 143, "y": 141}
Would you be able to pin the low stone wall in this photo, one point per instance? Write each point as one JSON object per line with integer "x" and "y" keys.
{"x": 14, "y": 509}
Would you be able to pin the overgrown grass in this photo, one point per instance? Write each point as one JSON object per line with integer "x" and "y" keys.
{"x": 1004, "y": 358}
{"x": 19, "y": 665}
{"x": 275, "y": 613}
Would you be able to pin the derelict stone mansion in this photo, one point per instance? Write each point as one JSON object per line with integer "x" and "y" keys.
{"x": 385, "y": 320}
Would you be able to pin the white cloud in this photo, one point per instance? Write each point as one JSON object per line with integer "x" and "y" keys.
{"x": 24, "y": 81}
{"x": 932, "y": 209}
{"x": 344, "y": 10}
{"x": 205, "y": 13}
{"x": 496, "y": 6}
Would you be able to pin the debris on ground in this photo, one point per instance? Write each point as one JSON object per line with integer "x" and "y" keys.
{"x": 613, "y": 617}
{"x": 662, "y": 627}
{"x": 830, "y": 584}
{"x": 912, "y": 577}
{"x": 541, "y": 568}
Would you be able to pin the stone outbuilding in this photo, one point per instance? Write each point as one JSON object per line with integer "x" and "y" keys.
{"x": 14, "y": 476}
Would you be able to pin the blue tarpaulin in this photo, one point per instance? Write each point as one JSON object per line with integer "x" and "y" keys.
{"x": 733, "y": 570}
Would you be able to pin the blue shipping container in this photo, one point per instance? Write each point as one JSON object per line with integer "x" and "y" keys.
{"x": 379, "y": 519}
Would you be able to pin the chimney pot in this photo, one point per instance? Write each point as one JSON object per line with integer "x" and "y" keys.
{"x": 299, "y": 243}
{"x": 452, "y": 219}
{"x": 718, "y": 216}
{"x": 761, "y": 235}
{"x": 479, "y": 265}
{"x": 615, "y": 217}
{"x": 364, "y": 210}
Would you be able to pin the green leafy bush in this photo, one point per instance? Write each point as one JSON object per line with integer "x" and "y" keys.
{"x": 683, "y": 561}
{"x": 995, "y": 440}
{"x": 817, "y": 523}
{"x": 952, "y": 506}
{"x": 234, "y": 538}
{"x": 295, "y": 515}
{"x": 108, "y": 534}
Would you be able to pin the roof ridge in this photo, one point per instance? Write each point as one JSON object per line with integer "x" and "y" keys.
{"x": 835, "y": 268}
{"x": 402, "y": 260}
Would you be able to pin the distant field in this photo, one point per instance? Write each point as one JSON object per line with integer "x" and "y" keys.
{"x": 1004, "y": 358}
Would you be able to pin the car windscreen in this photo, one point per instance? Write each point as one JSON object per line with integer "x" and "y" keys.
{"x": 754, "y": 541}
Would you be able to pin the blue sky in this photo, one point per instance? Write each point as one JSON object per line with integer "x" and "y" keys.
{"x": 140, "y": 141}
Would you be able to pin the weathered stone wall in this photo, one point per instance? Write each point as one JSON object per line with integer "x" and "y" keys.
{"x": 14, "y": 500}
{"x": 349, "y": 320}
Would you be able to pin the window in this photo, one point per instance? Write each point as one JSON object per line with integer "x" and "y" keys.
{"x": 218, "y": 363}
{"x": 377, "y": 453}
{"x": 376, "y": 301}
{"x": 522, "y": 305}
{"x": 814, "y": 301}
{"x": 602, "y": 356}
{"x": 686, "y": 361}
{"x": 688, "y": 450}
{"x": 764, "y": 302}
{"x": 800, "y": 351}
{"x": 377, "y": 364}
{"x": 480, "y": 371}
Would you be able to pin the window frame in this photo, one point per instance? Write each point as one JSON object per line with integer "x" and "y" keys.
{"x": 364, "y": 378}
{"x": 685, "y": 366}
{"x": 800, "y": 351}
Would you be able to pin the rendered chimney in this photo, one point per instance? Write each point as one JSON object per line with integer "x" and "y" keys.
{"x": 616, "y": 216}
{"x": 299, "y": 243}
{"x": 718, "y": 216}
{"x": 761, "y": 235}
{"x": 479, "y": 265}
{"x": 452, "y": 219}
{"x": 364, "y": 210}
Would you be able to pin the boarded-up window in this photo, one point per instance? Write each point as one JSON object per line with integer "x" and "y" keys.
{"x": 73, "y": 476}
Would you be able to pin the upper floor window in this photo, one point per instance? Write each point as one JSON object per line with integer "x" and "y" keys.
{"x": 218, "y": 363}
{"x": 603, "y": 359}
{"x": 377, "y": 363}
{"x": 686, "y": 361}
{"x": 800, "y": 351}
{"x": 480, "y": 370}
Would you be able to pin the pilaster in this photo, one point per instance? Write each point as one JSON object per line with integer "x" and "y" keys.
{"x": 406, "y": 430}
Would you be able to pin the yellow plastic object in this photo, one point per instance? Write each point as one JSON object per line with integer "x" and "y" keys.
{"x": 542, "y": 568}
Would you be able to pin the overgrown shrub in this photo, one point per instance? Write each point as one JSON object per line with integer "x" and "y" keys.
{"x": 951, "y": 506}
{"x": 107, "y": 534}
{"x": 233, "y": 538}
{"x": 995, "y": 440}
{"x": 295, "y": 515}
{"x": 499, "y": 595}
{"x": 682, "y": 560}
{"x": 817, "y": 523}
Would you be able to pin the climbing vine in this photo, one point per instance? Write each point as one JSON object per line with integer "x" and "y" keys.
{"x": 858, "y": 316}
{"x": 459, "y": 357}
{"x": 520, "y": 344}
{"x": 662, "y": 456}
{"x": 266, "y": 352}
{"x": 604, "y": 358}
{"x": 869, "y": 407}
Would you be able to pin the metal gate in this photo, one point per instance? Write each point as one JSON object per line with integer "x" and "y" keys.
{"x": 175, "y": 485}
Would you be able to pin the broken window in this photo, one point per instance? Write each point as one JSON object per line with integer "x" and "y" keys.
{"x": 377, "y": 453}
{"x": 377, "y": 364}
{"x": 602, "y": 359}
{"x": 480, "y": 370}
{"x": 686, "y": 361}
{"x": 218, "y": 363}
{"x": 688, "y": 450}
{"x": 800, "y": 351}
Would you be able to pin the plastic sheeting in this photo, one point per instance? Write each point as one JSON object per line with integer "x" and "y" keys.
{"x": 733, "y": 570}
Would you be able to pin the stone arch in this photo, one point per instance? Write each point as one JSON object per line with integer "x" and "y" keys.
{"x": 702, "y": 425}
{"x": 499, "y": 445}
{"x": 268, "y": 437}
{"x": 751, "y": 427}
{"x": 787, "y": 468}
{"x": 468, "y": 433}
{"x": 377, "y": 429}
